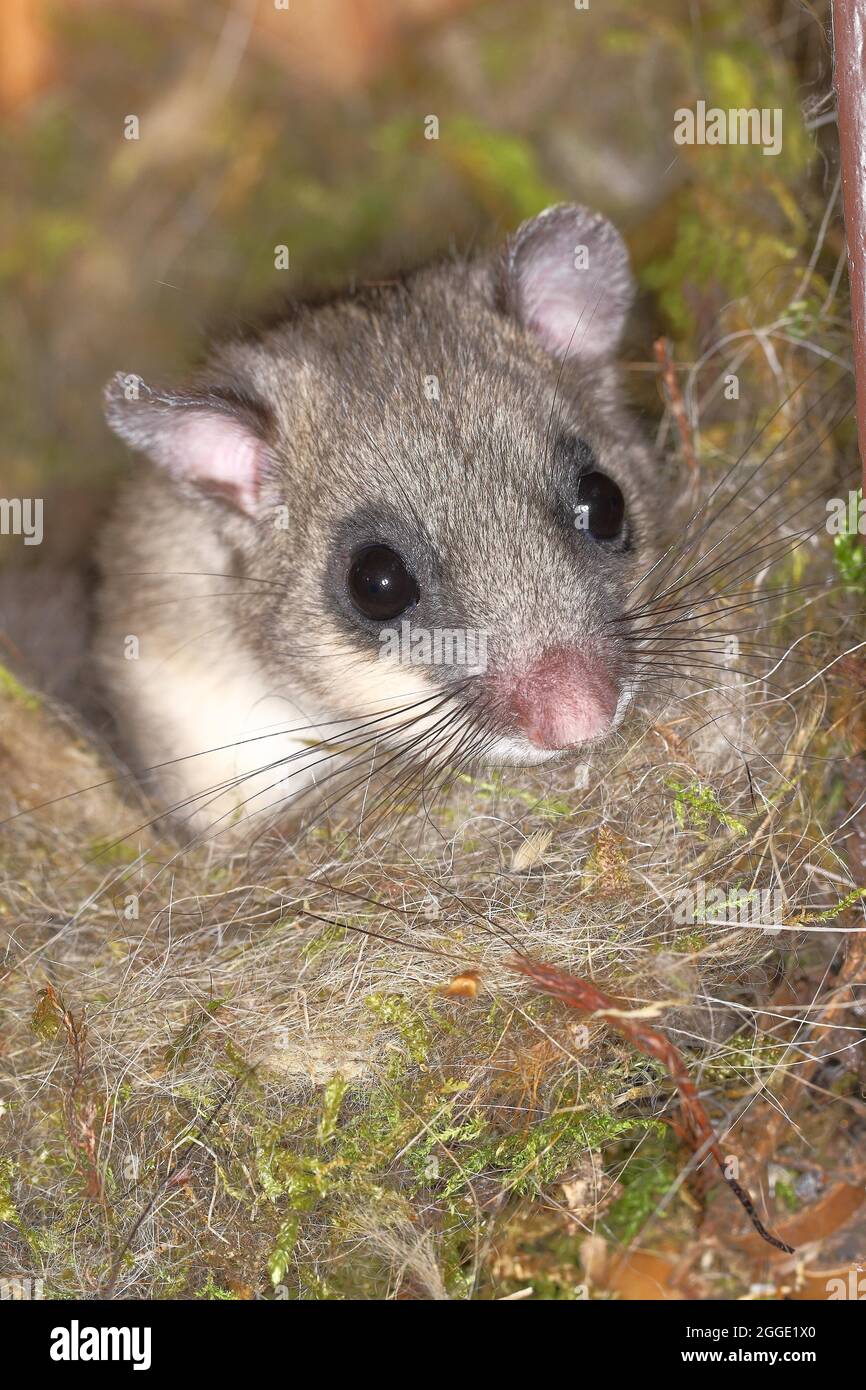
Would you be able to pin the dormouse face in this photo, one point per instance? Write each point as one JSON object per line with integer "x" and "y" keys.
{"x": 434, "y": 492}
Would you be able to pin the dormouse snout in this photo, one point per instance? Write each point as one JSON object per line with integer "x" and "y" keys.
{"x": 565, "y": 697}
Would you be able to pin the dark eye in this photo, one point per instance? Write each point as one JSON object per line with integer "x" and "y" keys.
{"x": 380, "y": 585}
{"x": 600, "y": 506}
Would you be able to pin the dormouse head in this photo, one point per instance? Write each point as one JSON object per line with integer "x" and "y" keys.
{"x": 433, "y": 491}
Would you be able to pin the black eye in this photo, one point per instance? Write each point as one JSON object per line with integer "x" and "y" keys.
{"x": 600, "y": 506}
{"x": 380, "y": 584}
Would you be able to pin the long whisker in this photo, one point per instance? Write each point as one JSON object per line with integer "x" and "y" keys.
{"x": 279, "y": 731}
{"x": 693, "y": 540}
{"x": 683, "y": 583}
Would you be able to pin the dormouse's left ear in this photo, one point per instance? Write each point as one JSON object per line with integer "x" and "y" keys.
{"x": 569, "y": 281}
{"x": 210, "y": 438}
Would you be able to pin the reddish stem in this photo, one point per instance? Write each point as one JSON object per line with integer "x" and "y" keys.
{"x": 583, "y": 995}
{"x": 849, "y": 36}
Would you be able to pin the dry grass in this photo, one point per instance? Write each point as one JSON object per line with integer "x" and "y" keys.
{"x": 235, "y": 1071}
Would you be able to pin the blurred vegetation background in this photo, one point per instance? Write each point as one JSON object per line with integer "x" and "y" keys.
{"x": 304, "y": 126}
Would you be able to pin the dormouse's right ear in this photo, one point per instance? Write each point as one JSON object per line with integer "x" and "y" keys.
{"x": 568, "y": 282}
{"x": 213, "y": 438}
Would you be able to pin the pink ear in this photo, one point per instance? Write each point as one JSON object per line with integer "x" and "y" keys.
{"x": 218, "y": 453}
{"x": 207, "y": 439}
{"x": 570, "y": 281}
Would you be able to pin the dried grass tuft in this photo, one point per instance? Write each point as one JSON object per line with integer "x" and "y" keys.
{"x": 270, "y": 1081}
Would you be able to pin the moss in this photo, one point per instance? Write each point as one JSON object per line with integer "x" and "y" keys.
{"x": 689, "y": 944}
{"x": 743, "y": 1057}
{"x": 496, "y": 788}
{"x": 8, "y": 1209}
{"x": 320, "y": 1290}
{"x": 281, "y": 1253}
{"x": 645, "y": 1177}
{"x": 784, "y": 1191}
{"x": 502, "y": 168}
{"x": 214, "y": 1291}
{"x": 830, "y": 913}
{"x": 396, "y": 1011}
{"x": 850, "y": 556}
{"x": 16, "y": 691}
{"x": 323, "y": 941}
{"x": 112, "y": 851}
{"x": 179, "y": 1050}
{"x": 697, "y": 806}
{"x": 332, "y": 1100}
{"x": 523, "y": 1162}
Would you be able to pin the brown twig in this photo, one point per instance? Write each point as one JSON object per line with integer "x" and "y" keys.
{"x": 849, "y": 37}
{"x": 674, "y": 395}
{"x": 581, "y": 994}
{"x": 80, "y": 1112}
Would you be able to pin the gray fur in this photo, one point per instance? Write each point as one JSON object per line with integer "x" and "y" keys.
{"x": 336, "y": 395}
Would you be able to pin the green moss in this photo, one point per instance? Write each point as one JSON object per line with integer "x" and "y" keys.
{"x": 385, "y": 1123}
{"x": 17, "y": 692}
{"x": 496, "y": 788}
{"x": 323, "y": 941}
{"x": 850, "y": 556}
{"x": 317, "y": 1289}
{"x": 785, "y": 1193}
{"x": 215, "y": 1291}
{"x": 8, "y": 1209}
{"x": 837, "y": 909}
{"x": 399, "y": 1014}
{"x": 523, "y": 1162}
{"x": 645, "y": 1177}
{"x": 110, "y": 851}
{"x": 697, "y": 807}
{"x": 281, "y": 1253}
{"x": 685, "y": 945}
{"x": 179, "y": 1050}
{"x": 849, "y": 553}
{"x": 743, "y": 1057}
{"x": 332, "y": 1100}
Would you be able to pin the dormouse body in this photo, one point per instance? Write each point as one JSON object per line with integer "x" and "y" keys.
{"x": 405, "y": 519}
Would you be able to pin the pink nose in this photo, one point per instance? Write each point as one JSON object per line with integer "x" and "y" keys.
{"x": 567, "y": 696}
